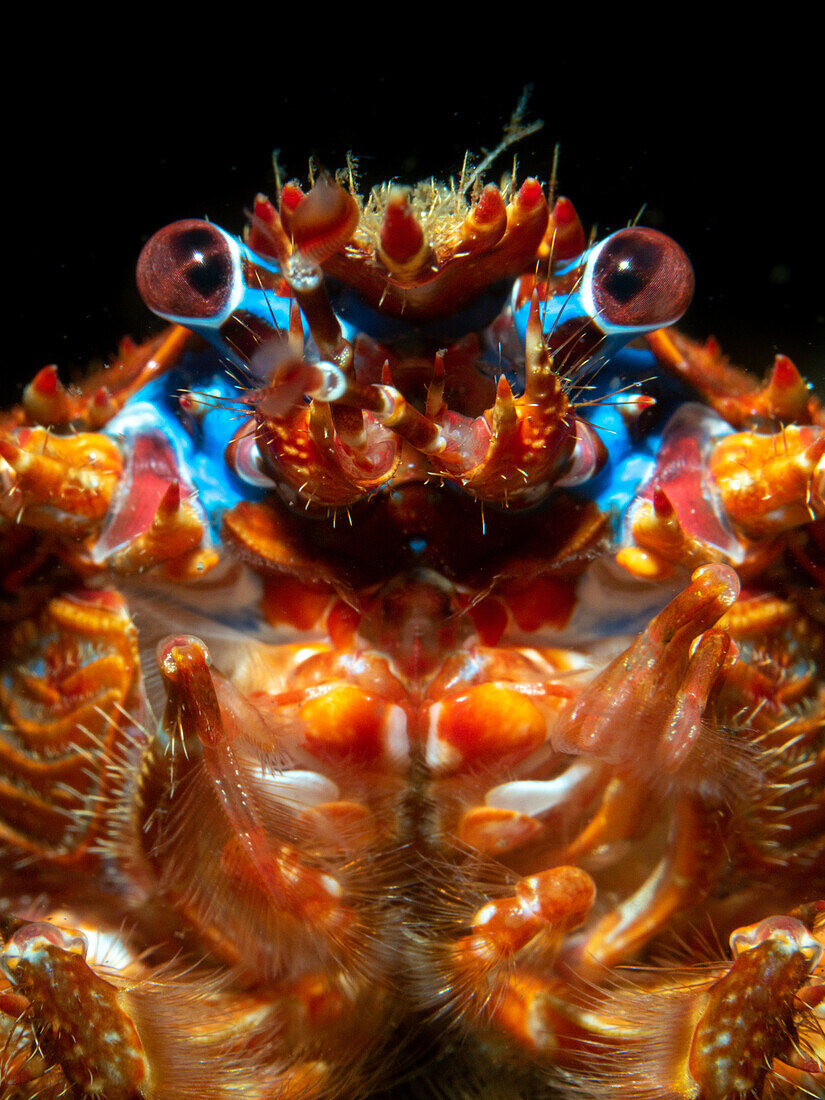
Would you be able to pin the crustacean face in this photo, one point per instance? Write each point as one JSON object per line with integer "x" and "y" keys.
{"x": 413, "y": 634}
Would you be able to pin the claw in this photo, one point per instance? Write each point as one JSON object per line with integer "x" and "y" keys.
{"x": 771, "y": 483}
{"x": 72, "y": 476}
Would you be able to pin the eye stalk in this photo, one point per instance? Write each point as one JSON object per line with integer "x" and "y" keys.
{"x": 634, "y": 281}
{"x": 195, "y": 274}
{"x": 637, "y": 279}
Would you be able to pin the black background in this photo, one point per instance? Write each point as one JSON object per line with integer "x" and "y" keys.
{"x": 103, "y": 163}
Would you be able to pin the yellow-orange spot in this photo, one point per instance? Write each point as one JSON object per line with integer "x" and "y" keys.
{"x": 491, "y": 721}
{"x": 345, "y": 722}
{"x": 643, "y": 564}
{"x": 191, "y": 566}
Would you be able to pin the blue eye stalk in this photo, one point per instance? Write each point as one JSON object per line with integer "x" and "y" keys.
{"x": 630, "y": 283}
{"x": 193, "y": 273}
{"x": 298, "y": 333}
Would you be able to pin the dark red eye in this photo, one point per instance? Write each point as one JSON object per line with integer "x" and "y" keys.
{"x": 641, "y": 279}
{"x": 186, "y": 270}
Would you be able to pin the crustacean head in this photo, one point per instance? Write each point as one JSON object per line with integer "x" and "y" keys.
{"x": 418, "y": 335}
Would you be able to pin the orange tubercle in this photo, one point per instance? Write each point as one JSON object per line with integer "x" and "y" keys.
{"x": 486, "y": 723}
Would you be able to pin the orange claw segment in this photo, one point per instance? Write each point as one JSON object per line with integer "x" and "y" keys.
{"x": 656, "y": 692}
{"x": 89, "y": 406}
{"x": 74, "y": 475}
{"x": 552, "y": 901}
{"x": 770, "y": 483}
{"x": 732, "y": 392}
